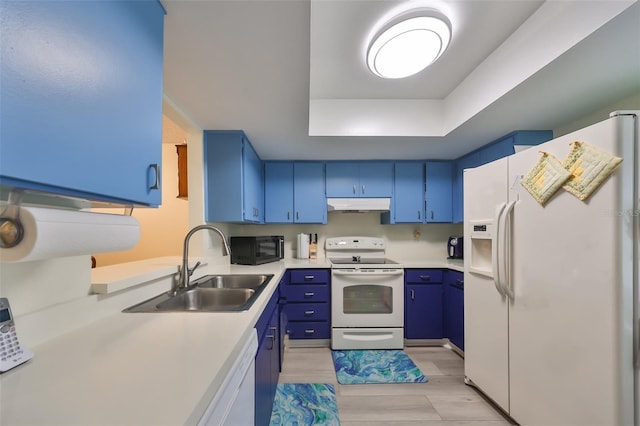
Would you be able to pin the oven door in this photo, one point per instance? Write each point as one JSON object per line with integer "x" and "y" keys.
{"x": 367, "y": 297}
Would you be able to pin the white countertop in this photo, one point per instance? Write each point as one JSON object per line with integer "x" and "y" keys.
{"x": 142, "y": 369}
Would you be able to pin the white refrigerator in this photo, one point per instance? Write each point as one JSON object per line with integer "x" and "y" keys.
{"x": 551, "y": 292}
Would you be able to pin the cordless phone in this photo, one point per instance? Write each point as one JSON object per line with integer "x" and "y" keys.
{"x": 11, "y": 352}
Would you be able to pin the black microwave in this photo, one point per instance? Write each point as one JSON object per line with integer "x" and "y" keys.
{"x": 257, "y": 250}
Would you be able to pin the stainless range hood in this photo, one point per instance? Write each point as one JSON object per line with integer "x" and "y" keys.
{"x": 358, "y": 204}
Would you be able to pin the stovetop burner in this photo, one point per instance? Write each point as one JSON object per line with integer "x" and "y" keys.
{"x": 358, "y": 252}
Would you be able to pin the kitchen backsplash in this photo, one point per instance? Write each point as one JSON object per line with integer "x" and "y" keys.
{"x": 401, "y": 239}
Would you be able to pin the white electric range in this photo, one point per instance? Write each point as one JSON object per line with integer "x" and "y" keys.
{"x": 367, "y": 294}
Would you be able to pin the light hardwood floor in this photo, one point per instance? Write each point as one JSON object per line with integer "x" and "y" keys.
{"x": 443, "y": 401}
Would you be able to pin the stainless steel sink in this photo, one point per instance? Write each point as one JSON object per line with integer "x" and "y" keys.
{"x": 211, "y": 293}
{"x": 236, "y": 281}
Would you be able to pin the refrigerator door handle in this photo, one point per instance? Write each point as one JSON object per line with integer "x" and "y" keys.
{"x": 505, "y": 250}
{"x": 495, "y": 252}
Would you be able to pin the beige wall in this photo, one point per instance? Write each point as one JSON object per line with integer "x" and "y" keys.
{"x": 162, "y": 230}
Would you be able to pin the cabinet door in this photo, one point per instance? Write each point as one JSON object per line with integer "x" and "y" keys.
{"x": 267, "y": 371}
{"x": 439, "y": 175}
{"x": 252, "y": 184}
{"x": 423, "y": 311}
{"x": 408, "y": 198}
{"x": 342, "y": 179}
{"x": 223, "y": 180}
{"x": 82, "y": 98}
{"x": 233, "y": 178}
{"x": 376, "y": 179}
{"x": 455, "y": 307}
{"x": 309, "y": 193}
{"x": 278, "y": 192}
{"x": 263, "y": 403}
{"x": 360, "y": 179}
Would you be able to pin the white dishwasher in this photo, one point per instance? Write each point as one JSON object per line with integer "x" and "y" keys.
{"x": 234, "y": 403}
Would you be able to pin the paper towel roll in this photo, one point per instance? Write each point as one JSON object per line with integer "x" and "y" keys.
{"x": 58, "y": 233}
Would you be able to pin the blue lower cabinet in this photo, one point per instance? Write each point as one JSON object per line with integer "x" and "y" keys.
{"x": 282, "y": 313}
{"x": 309, "y": 330}
{"x": 423, "y": 315}
{"x": 308, "y": 309}
{"x": 454, "y": 308}
{"x": 267, "y": 361}
{"x": 307, "y": 293}
{"x": 423, "y": 311}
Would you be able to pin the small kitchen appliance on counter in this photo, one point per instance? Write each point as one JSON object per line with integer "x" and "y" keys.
{"x": 257, "y": 250}
{"x": 455, "y": 247}
{"x": 303, "y": 246}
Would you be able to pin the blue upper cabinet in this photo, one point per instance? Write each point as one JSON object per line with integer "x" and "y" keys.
{"x": 82, "y": 98}
{"x": 278, "y": 192}
{"x": 373, "y": 179}
{"x": 422, "y": 192}
{"x": 495, "y": 150}
{"x": 233, "y": 178}
{"x": 310, "y": 203}
{"x": 408, "y": 198}
{"x": 295, "y": 192}
{"x": 439, "y": 186}
{"x": 253, "y": 191}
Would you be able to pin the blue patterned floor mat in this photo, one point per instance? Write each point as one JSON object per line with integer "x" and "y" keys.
{"x": 305, "y": 404}
{"x": 375, "y": 366}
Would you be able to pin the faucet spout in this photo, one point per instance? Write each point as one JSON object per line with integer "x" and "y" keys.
{"x": 185, "y": 273}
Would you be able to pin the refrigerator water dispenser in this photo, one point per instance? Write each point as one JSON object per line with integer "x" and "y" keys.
{"x": 481, "y": 235}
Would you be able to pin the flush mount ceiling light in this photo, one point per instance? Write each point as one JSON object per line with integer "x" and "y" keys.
{"x": 408, "y": 44}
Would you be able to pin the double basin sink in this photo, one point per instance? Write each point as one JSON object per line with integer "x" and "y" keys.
{"x": 211, "y": 293}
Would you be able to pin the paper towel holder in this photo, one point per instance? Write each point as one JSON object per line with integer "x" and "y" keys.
{"x": 11, "y": 229}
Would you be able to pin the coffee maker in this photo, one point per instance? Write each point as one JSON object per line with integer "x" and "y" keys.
{"x": 455, "y": 247}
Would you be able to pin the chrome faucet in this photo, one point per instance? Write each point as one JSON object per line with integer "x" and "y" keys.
{"x": 184, "y": 271}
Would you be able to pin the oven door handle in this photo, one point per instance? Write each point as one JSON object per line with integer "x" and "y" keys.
{"x": 352, "y": 274}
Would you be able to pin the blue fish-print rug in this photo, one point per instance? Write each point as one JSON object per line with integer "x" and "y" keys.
{"x": 305, "y": 404}
{"x": 375, "y": 366}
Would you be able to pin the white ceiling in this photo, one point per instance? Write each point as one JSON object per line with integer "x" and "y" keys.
{"x": 511, "y": 65}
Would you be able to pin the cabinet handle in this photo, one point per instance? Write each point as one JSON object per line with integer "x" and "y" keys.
{"x": 431, "y": 214}
{"x": 309, "y": 277}
{"x": 419, "y": 218}
{"x": 425, "y": 277}
{"x": 309, "y": 313}
{"x": 288, "y": 215}
{"x": 363, "y": 189}
{"x": 309, "y": 331}
{"x": 459, "y": 282}
{"x": 354, "y": 189}
{"x": 156, "y": 168}
{"x": 412, "y": 295}
{"x": 309, "y": 294}
{"x": 297, "y": 215}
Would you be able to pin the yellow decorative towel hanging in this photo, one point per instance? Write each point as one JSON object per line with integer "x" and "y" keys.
{"x": 546, "y": 178}
{"x": 589, "y": 167}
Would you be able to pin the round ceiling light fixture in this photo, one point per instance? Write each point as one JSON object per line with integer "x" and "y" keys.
{"x": 408, "y": 44}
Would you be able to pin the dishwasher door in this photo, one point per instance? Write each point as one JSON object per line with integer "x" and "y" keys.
{"x": 234, "y": 403}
